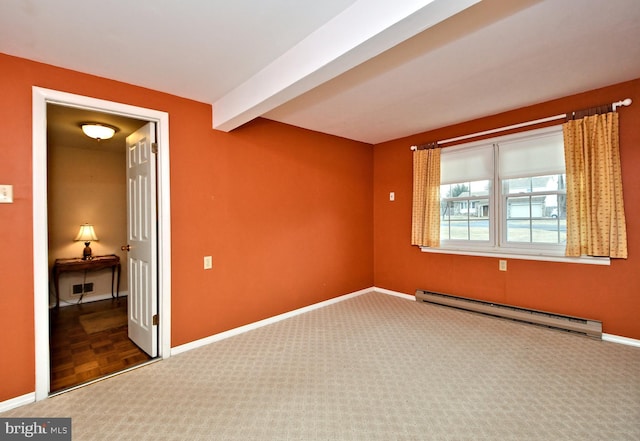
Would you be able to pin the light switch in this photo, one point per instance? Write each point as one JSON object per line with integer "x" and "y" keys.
{"x": 6, "y": 194}
{"x": 392, "y": 196}
{"x": 208, "y": 263}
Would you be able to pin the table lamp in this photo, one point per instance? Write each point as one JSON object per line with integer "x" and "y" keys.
{"x": 86, "y": 235}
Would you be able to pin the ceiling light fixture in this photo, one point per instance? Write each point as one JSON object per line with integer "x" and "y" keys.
{"x": 98, "y": 131}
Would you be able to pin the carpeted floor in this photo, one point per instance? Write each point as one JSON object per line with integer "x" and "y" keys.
{"x": 374, "y": 367}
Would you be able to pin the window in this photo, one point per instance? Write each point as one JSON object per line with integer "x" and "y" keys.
{"x": 464, "y": 208}
{"x": 505, "y": 195}
{"x": 535, "y": 210}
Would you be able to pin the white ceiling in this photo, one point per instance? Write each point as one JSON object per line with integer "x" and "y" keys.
{"x": 369, "y": 70}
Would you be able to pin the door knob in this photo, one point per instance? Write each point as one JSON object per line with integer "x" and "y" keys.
{"x": 125, "y": 247}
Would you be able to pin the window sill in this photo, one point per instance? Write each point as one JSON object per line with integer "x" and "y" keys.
{"x": 506, "y": 254}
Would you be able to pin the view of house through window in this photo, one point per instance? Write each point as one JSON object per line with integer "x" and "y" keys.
{"x": 514, "y": 196}
{"x": 464, "y": 210}
{"x": 535, "y": 209}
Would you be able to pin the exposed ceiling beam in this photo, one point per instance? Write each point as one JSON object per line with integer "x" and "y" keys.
{"x": 364, "y": 30}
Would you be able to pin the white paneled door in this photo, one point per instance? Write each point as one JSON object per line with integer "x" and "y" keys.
{"x": 142, "y": 239}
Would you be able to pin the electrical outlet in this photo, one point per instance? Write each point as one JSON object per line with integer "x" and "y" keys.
{"x": 208, "y": 263}
{"x": 6, "y": 194}
{"x": 502, "y": 265}
{"x": 80, "y": 288}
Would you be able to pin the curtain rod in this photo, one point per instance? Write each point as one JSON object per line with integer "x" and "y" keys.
{"x": 625, "y": 102}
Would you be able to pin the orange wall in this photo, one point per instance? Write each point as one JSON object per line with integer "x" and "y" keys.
{"x": 286, "y": 214}
{"x": 607, "y": 293}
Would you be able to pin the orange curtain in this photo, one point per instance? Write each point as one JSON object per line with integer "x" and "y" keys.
{"x": 595, "y": 208}
{"x": 425, "y": 228}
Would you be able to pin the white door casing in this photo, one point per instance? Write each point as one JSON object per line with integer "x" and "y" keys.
{"x": 40, "y": 98}
{"x": 141, "y": 238}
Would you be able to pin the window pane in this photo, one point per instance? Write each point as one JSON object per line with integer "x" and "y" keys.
{"x": 479, "y": 227}
{"x": 542, "y": 183}
{"x": 479, "y": 188}
{"x": 546, "y": 231}
{"x": 546, "y": 223}
{"x": 535, "y": 184}
{"x": 518, "y": 185}
{"x": 459, "y": 190}
{"x": 552, "y": 231}
{"x": 464, "y": 219}
{"x": 519, "y": 207}
{"x": 459, "y": 230}
{"x": 465, "y": 189}
{"x": 562, "y": 182}
{"x": 445, "y": 218}
{"x": 445, "y": 191}
{"x": 551, "y": 205}
{"x": 518, "y": 231}
{"x": 548, "y": 183}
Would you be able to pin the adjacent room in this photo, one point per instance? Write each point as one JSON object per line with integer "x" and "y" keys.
{"x": 347, "y": 219}
{"x": 87, "y": 179}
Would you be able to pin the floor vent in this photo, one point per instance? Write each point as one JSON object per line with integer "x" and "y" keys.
{"x": 591, "y": 328}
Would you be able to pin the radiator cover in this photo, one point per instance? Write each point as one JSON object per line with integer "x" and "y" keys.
{"x": 590, "y": 328}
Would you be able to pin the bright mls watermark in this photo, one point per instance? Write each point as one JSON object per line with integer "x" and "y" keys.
{"x": 41, "y": 429}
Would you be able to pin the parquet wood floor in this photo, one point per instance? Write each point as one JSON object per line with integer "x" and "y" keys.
{"x": 78, "y": 357}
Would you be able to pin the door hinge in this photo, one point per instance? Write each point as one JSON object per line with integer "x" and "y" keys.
{"x": 154, "y": 147}
{"x": 155, "y": 320}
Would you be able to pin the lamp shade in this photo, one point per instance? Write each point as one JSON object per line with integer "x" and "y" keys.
{"x": 86, "y": 233}
{"x": 98, "y": 131}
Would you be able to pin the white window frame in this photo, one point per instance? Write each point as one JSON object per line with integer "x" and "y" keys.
{"x": 497, "y": 245}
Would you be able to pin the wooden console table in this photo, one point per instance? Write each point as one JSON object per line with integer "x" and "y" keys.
{"x": 97, "y": 263}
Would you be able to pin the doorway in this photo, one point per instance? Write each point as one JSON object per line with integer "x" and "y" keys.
{"x": 42, "y": 98}
{"x": 87, "y": 185}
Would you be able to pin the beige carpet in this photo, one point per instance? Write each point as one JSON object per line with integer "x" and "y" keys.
{"x": 103, "y": 320}
{"x": 374, "y": 367}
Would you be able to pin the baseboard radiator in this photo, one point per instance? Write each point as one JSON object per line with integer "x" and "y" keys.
{"x": 590, "y": 328}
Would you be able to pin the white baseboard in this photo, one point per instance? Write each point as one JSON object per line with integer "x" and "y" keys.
{"x": 17, "y": 402}
{"x": 622, "y": 340}
{"x": 394, "y": 293}
{"x": 88, "y": 299}
{"x": 605, "y": 337}
{"x": 251, "y": 326}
